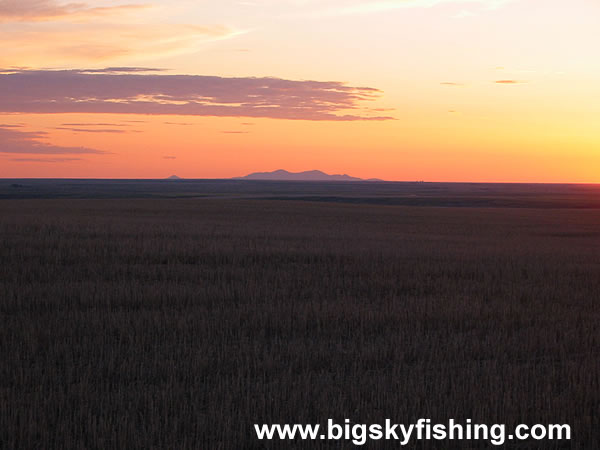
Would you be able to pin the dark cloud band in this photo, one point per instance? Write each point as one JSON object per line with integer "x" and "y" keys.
{"x": 74, "y": 91}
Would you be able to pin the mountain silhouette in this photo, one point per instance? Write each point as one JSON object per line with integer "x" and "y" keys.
{"x": 309, "y": 175}
{"x": 174, "y": 177}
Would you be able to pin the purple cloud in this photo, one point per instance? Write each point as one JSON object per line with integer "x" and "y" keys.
{"x": 39, "y": 10}
{"x": 75, "y": 91}
{"x": 21, "y": 9}
{"x": 29, "y": 142}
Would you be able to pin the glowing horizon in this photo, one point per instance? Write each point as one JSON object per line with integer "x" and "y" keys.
{"x": 434, "y": 90}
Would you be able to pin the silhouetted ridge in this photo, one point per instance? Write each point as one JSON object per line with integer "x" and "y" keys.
{"x": 309, "y": 175}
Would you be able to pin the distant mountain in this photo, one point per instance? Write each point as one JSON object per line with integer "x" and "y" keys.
{"x": 309, "y": 175}
{"x": 174, "y": 177}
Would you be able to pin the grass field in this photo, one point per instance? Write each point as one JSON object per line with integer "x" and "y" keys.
{"x": 179, "y": 323}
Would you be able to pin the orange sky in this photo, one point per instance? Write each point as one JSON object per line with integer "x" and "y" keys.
{"x": 437, "y": 90}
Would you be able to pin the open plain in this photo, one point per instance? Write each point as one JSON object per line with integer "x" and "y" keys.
{"x": 176, "y": 322}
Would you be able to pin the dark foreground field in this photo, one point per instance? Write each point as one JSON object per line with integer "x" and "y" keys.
{"x": 179, "y": 323}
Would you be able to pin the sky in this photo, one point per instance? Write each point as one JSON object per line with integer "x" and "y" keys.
{"x": 433, "y": 90}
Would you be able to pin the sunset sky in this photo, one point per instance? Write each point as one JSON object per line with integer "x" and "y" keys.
{"x": 436, "y": 90}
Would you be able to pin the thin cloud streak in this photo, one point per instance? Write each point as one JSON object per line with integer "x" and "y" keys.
{"x": 509, "y": 82}
{"x": 46, "y": 160}
{"x": 30, "y": 142}
{"x": 94, "y": 125}
{"x": 73, "y": 91}
{"x": 94, "y": 130}
{"x": 123, "y": 70}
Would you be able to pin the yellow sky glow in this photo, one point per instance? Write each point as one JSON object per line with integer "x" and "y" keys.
{"x": 462, "y": 90}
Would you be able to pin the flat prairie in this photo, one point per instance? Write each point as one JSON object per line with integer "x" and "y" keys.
{"x": 181, "y": 322}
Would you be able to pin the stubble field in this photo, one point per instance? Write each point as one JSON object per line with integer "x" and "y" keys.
{"x": 179, "y": 323}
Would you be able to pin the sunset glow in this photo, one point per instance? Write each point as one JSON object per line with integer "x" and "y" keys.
{"x": 436, "y": 90}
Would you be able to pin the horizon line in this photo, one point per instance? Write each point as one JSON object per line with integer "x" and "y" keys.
{"x": 367, "y": 180}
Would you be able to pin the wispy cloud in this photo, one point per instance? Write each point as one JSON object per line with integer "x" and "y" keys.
{"x": 11, "y": 125}
{"x": 451, "y": 83}
{"x": 105, "y": 42}
{"x": 102, "y": 124}
{"x": 123, "y": 70}
{"x": 46, "y": 160}
{"x": 30, "y": 142}
{"x": 75, "y": 91}
{"x": 42, "y": 10}
{"x": 169, "y": 157}
{"x": 96, "y": 130}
